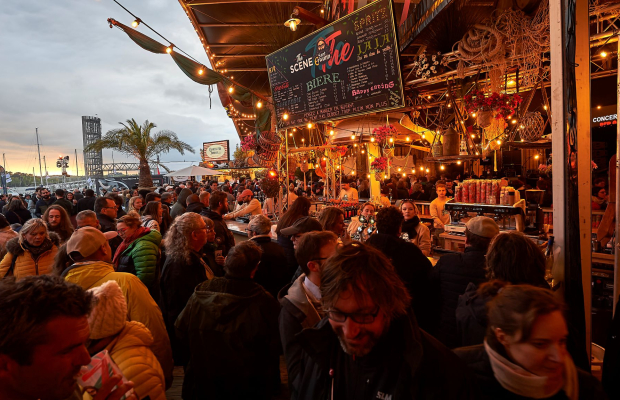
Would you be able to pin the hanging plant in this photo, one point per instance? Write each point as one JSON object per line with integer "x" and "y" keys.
{"x": 270, "y": 185}
{"x": 383, "y": 132}
{"x": 501, "y": 105}
{"x": 380, "y": 164}
{"x": 248, "y": 143}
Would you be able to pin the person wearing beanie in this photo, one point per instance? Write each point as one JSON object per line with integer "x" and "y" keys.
{"x": 454, "y": 272}
{"x": 127, "y": 342}
{"x": 246, "y": 204}
{"x": 91, "y": 266}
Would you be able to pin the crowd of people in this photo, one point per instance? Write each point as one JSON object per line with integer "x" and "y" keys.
{"x": 156, "y": 278}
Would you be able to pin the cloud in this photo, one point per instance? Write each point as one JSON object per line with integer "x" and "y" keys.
{"x": 61, "y": 61}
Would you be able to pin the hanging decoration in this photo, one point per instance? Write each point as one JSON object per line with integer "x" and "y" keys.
{"x": 498, "y": 106}
{"x": 532, "y": 126}
{"x": 270, "y": 184}
{"x": 379, "y": 165}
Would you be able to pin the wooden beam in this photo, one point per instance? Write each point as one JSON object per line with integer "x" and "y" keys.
{"x": 236, "y": 55}
{"x": 246, "y": 69}
{"x": 247, "y": 24}
{"x": 211, "y": 2}
{"x": 240, "y": 45}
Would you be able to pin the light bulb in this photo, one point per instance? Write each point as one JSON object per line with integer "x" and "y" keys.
{"x": 368, "y": 176}
{"x": 473, "y": 114}
{"x": 293, "y": 26}
{"x": 514, "y": 121}
{"x": 291, "y": 134}
{"x": 598, "y": 107}
{"x": 404, "y": 174}
{"x": 309, "y": 125}
{"x": 169, "y": 49}
{"x": 603, "y": 54}
{"x": 135, "y": 23}
{"x": 372, "y": 139}
{"x": 201, "y": 71}
{"x": 352, "y": 137}
{"x": 499, "y": 142}
{"x": 303, "y": 140}
{"x": 352, "y": 172}
{"x": 331, "y": 132}
{"x": 458, "y": 163}
{"x": 441, "y": 167}
{"x": 363, "y": 151}
{"x": 384, "y": 176}
{"x": 285, "y": 116}
{"x": 399, "y": 169}
{"x": 545, "y": 107}
{"x": 421, "y": 168}
{"x": 449, "y": 105}
{"x": 259, "y": 104}
{"x": 472, "y": 136}
{"x": 231, "y": 89}
{"x": 536, "y": 157}
{"x": 407, "y": 138}
{"x": 428, "y": 170}
{"x": 391, "y": 140}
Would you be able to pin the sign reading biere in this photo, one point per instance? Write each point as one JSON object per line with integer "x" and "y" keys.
{"x": 347, "y": 68}
{"x": 216, "y": 151}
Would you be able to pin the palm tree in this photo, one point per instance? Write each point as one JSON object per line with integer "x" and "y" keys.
{"x": 135, "y": 140}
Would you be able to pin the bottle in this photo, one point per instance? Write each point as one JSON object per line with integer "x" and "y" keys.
{"x": 549, "y": 262}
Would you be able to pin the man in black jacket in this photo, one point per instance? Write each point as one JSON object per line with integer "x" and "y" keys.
{"x": 106, "y": 210}
{"x": 454, "y": 272}
{"x": 301, "y": 300}
{"x": 193, "y": 204}
{"x": 45, "y": 201}
{"x": 230, "y": 328}
{"x": 272, "y": 272}
{"x": 412, "y": 266}
{"x": 369, "y": 346}
{"x": 63, "y": 202}
{"x": 88, "y": 202}
{"x": 218, "y": 205}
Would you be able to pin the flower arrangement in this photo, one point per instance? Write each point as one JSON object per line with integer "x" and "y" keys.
{"x": 380, "y": 164}
{"x": 381, "y": 133}
{"x": 342, "y": 150}
{"x": 270, "y": 185}
{"x": 248, "y": 143}
{"x": 501, "y": 105}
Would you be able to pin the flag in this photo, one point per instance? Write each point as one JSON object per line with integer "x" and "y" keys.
{"x": 90, "y": 181}
{"x": 8, "y": 177}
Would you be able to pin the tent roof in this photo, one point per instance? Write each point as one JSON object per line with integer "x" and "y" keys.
{"x": 194, "y": 171}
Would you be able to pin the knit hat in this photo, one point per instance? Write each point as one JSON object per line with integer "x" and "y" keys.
{"x": 483, "y": 226}
{"x": 109, "y": 312}
{"x": 86, "y": 241}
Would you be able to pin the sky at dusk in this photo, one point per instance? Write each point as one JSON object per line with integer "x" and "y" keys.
{"x": 60, "y": 61}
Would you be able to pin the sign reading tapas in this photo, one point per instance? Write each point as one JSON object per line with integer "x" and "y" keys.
{"x": 216, "y": 151}
{"x": 347, "y": 68}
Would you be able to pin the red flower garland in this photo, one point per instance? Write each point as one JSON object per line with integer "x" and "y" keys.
{"x": 502, "y": 105}
{"x": 380, "y": 164}
{"x": 381, "y": 133}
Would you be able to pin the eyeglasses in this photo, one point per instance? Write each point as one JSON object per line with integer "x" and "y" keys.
{"x": 360, "y": 318}
{"x": 121, "y": 230}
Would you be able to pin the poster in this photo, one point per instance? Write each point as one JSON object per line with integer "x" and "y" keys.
{"x": 214, "y": 152}
{"x": 347, "y": 68}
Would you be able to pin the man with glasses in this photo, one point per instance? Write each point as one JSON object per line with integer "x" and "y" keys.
{"x": 370, "y": 346}
{"x": 106, "y": 211}
{"x": 301, "y": 301}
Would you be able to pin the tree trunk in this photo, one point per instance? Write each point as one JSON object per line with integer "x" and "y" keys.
{"x": 146, "y": 180}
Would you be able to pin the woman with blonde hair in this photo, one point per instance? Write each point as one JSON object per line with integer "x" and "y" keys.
{"x": 31, "y": 253}
{"x": 135, "y": 204}
{"x": 416, "y": 232}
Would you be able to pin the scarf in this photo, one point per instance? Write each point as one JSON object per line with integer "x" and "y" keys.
{"x": 36, "y": 251}
{"x": 410, "y": 226}
{"x": 523, "y": 383}
{"x": 141, "y": 231}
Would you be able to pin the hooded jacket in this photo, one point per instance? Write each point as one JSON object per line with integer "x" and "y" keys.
{"x": 179, "y": 207}
{"x": 141, "y": 258}
{"x": 230, "y": 328}
{"x": 223, "y": 236}
{"x": 453, "y": 273}
{"x": 195, "y": 207}
{"x": 417, "y": 365}
{"x": 297, "y": 313}
{"x": 131, "y": 351}
{"x": 26, "y": 264}
{"x": 414, "y": 269}
{"x": 140, "y": 305}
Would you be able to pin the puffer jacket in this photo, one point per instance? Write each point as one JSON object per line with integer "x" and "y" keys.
{"x": 140, "y": 305}
{"x": 6, "y": 234}
{"x": 131, "y": 351}
{"x": 26, "y": 264}
{"x": 141, "y": 259}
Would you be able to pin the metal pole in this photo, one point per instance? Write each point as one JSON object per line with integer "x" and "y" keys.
{"x": 77, "y": 165}
{"x": 39, "y": 151}
{"x": 617, "y": 234}
{"x": 34, "y": 177}
{"x": 286, "y": 155}
{"x": 4, "y": 182}
{"x": 46, "y": 174}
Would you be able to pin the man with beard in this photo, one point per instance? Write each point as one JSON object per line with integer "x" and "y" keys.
{"x": 44, "y": 202}
{"x": 58, "y": 222}
{"x": 43, "y": 335}
{"x": 106, "y": 211}
{"x": 370, "y": 346}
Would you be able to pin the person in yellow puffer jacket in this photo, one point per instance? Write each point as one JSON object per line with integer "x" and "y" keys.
{"x": 127, "y": 342}
{"x": 34, "y": 250}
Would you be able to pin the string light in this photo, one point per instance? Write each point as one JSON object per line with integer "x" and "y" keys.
{"x": 458, "y": 163}
{"x": 441, "y": 167}
{"x": 259, "y": 104}
{"x": 473, "y": 136}
{"x": 404, "y": 174}
{"x": 499, "y": 142}
{"x": 309, "y": 125}
{"x": 353, "y": 137}
{"x": 603, "y": 54}
{"x": 428, "y": 170}
{"x": 449, "y": 105}
{"x": 372, "y": 139}
{"x": 201, "y": 71}
{"x": 169, "y": 48}
{"x": 291, "y": 134}
{"x": 136, "y": 22}
{"x": 352, "y": 172}
{"x": 473, "y": 114}
{"x": 407, "y": 138}
{"x": 331, "y": 132}
{"x": 545, "y": 107}
{"x": 421, "y": 168}
{"x": 399, "y": 169}
{"x": 368, "y": 176}
{"x": 391, "y": 140}
{"x": 363, "y": 151}
{"x": 537, "y": 156}
{"x": 285, "y": 116}
{"x": 514, "y": 121}
{"x": 231, "y": 89}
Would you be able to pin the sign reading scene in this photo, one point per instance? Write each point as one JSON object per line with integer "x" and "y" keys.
{"x": 347, "y": 68}
{"x": 216, "y": 151}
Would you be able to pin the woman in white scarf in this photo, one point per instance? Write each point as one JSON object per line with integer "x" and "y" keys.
{"x": 524, "y": 353}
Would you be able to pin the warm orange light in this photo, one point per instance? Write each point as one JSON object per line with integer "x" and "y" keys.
{"x": 231, "y": 89}
{"x": 331, "y": 132}
{"x": 259, "y": 104}
{"x": 285, "y": 116}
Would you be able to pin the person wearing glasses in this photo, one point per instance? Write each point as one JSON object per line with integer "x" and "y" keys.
{"x": 183, "y": 270}
{"x": 301, "y": 300}
{"x": 106, "y": 211}
{"x": 370, "y": 345}
{"x": 230, "y": 330}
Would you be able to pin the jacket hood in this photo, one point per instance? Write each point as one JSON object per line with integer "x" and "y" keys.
{"x": 295, "y": 293}
{"x": 134, "y": 334}
{"x": 183, "y": 195}
{"x": 194, "y": 207}
{"x": 153, "y": 237}
{"x": 87, "y": 274}
{"x": 476, "y": 304}
{"x": 227, "y": 298}
{"x": 212, "y": 215}
{"x": 14, "y": 247}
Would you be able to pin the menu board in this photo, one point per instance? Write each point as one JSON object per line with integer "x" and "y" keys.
{"x": 347, "y": 68}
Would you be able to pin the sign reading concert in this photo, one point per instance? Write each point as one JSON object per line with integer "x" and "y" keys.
{"x": 216, "y": 151}
{"x": 347, "y": 68}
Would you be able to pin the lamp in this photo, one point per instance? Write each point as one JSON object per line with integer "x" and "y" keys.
{"x": 136, "y": 22}
{"x": 292, "y": 23}
{"x": 169, "y": 48}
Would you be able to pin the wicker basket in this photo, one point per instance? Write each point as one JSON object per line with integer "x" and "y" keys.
{"x": 484, "y": 119}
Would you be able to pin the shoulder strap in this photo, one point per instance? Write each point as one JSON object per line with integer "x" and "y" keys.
{"x": 12, "y": 267}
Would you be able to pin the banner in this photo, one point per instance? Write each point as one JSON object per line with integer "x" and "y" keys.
{"x": 215, "y": 152}
{"x": 347, "y": 68}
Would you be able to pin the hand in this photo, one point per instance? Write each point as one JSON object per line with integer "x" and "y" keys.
{"x": 220, "y": 260}
{"x": 106, "y": 393}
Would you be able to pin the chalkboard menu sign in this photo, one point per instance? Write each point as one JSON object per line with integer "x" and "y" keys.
{"x": 347, "y": 68}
